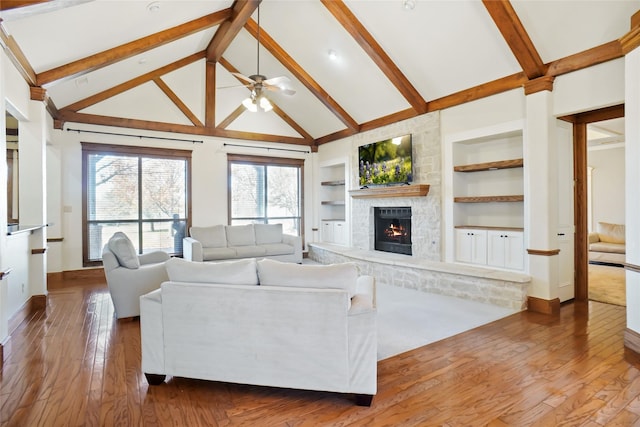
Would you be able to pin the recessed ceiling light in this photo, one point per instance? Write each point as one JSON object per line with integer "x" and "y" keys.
{"x": 408, "y": 4}
{"x": 332, "y": 55}
{"x": 153, "y": 7}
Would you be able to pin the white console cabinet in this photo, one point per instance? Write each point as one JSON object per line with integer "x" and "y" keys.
{"x": 503, "y": 248}
{"x": 334, "y": 232}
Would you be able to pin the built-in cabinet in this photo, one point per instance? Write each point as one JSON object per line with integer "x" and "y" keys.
{"x": 333, "y": 204}
{"x": 505, "y": 249}
{"x": 486, "y": 196}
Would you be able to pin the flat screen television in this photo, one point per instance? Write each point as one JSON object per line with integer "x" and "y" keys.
{"x": 386, "y": 162}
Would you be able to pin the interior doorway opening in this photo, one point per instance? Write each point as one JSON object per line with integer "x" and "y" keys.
{"x": 581, "y": 123}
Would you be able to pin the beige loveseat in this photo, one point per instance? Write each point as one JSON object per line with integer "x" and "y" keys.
{"x": 227, "y": 242}
{"x": 265, "y": 323}
{"x": 607, "y": 244}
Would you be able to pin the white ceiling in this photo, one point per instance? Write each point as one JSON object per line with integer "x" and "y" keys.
{"x": 441, "y": 47}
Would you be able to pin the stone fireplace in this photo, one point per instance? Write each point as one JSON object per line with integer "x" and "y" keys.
{"x": 392, "y": 229}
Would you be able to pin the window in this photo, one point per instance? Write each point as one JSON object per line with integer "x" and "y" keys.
{"x": 266, "y": 190}
{"x": 143, "y": 192}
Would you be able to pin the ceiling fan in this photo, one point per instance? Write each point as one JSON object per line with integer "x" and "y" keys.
{"x": 259, "y": 83}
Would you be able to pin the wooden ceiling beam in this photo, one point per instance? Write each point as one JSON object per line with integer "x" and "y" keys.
{"x": 127, "y": 50}
{"x": 588, "y": 58}
{"x": 366, "y": 41}
{"x": 514, "y": 81}
{"x": 514, "y": 33}
{"x": 305, "y": 78}
{"x": 17, "y": 57}
{"x": 177, "y": 101}
{"x": 229, "y": 29}
{"x": 123, "y": 87}
{"x": 13, "y": 4}
{"x": 93, "y": 119}
{"x": 232, "y": 117}
{"x": 210, "y": 95}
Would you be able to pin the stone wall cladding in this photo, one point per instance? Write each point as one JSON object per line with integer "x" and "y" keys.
{"x": 501, "y": 293}
{"x": 426, "y": 221}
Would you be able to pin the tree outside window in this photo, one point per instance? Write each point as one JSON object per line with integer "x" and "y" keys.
{"x": 141, "y": 192}
{"x": 267, "y": 191}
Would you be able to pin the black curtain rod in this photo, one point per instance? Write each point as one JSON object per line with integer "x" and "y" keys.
{"x": 266, "y": 148}
{"x": 136, "y": 136}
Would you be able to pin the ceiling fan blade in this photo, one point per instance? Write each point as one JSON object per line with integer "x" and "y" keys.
{"x": 231, "y": 87}
{"x": 279, "y": 89}
{"x": 277, "y": 81}
{"x": 245, "y": 78}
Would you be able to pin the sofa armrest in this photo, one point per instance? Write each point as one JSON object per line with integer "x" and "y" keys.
{"x": 366, "y": 286}
{"x": 594, "y": 237}
{"x": 191, "y": 249}
{"x": 296, "y": 242}
{"x": 153, "y": 257}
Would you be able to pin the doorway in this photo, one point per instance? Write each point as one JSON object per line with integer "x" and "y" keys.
{"x": 581, "y": 191}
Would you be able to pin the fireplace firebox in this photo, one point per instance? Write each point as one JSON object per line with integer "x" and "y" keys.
{"x": 392, "y": 229}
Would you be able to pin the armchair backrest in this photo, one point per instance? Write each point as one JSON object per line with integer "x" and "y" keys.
{"x": 109, "y": 260}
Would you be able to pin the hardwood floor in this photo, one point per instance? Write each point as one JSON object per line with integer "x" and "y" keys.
{"x": 74, "y": 364}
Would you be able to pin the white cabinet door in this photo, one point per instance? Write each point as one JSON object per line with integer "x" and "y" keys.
{"x": 339, "y": 233}
{"x": 514, "y": 250}
{"x": 471, "y": 246}
{"x": 327, "y": 231}
{"x": 505, "y": 249}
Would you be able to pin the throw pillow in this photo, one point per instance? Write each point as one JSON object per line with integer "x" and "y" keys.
{"x": 241, "y": 235}
{"x": 210, "y": 237}
{"x": 268, "y": 233}
{"x": 611, "y": 233}
{"x": 332, "y": 276}
{"x": 240, "y": 272}
{"x": 124, "y": 251}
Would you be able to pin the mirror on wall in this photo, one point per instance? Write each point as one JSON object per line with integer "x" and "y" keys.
{"x": 12, "y": 169}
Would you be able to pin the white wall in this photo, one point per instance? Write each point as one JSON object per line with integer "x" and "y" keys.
{"x": 607, "y": 185}
{"x": 27, "y": 275}
{"x": 209, "y": 178}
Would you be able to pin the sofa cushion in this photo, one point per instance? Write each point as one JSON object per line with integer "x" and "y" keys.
{"x": 210, "y": 254}
{"x": 334, "y": 276}
{"x": 210, "y": 237}
{"x": 237, "y": 272}
{"x": 268, "y": 233}
{"x": 612, "y": 248}
{"x": 240, "y": 235}
{"x": 611, "y": 233}
{"x": 278, "y": 249}
{"x": 124, "y": 251}
{"x": 248, "y": 251}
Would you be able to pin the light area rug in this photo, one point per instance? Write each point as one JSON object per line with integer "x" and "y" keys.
{"x": 409, "y": 318}
{"x": 607, "y": 284}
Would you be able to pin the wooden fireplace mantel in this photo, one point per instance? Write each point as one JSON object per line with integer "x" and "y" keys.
{"x": 418, "y": 190}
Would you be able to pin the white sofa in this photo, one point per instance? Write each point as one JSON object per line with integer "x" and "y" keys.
{"x": 264, "y": 323}
{"x": 226, "y": 242}
{"x": 607, "y": 244}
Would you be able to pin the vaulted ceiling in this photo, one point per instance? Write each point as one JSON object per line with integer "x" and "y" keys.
{"x": 167, "y": 65}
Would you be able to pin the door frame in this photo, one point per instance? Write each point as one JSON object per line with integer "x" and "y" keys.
{"x": 580, "y": 195}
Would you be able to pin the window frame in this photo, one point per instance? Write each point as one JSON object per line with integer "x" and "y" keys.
{"x": 267, "y": 161}
{"x": 90, "y": 148}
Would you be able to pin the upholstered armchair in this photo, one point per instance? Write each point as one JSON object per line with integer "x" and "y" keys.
{"x": 130, "y": 275}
